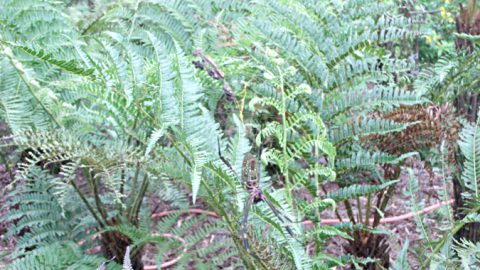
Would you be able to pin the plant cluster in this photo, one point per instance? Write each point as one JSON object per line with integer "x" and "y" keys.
{"x": 266, "y": 114}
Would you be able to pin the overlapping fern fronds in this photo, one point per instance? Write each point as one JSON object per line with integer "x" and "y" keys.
{"x": 105, "y": 113}
{"x": 49, "y": 231}
{"x": 451, "y": 76}
{"x": 117, "y": 101}
{"x": 331, "y": 44}
{"x": 310, "y": 58}
{"x": 191, "y": 242}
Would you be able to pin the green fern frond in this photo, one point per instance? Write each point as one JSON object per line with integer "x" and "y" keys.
{"x": 470, "y": 146}
{"x": 59, "y": 255}
{"x": 363, "y": 126}
{"x": 70, "y": 66}
{"x": 322, "y": 232}
{"x": 355, "y": 191}
{"x": 365, "y": 160}
{"x": 379, "y": 97}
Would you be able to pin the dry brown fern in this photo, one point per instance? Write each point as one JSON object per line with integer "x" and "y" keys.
{"x": 434, "y": 125}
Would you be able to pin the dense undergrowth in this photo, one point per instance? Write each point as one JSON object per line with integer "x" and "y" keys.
{"x": 265, "y": 114}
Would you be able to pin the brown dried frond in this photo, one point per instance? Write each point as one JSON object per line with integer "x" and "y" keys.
{"x": 435, "y": 124}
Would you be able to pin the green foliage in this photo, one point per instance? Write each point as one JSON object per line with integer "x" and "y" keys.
{"x": 450, "y": 253}
{"x": 104, "y": 120}
{"x": 109, "y": 105}
{"x": 335, "y": 48}
{"x": 50, "y": 231}
{"x": 468, "y": 253}
{"x": 186, "y": 240}
{"x": 470, "y": 146}
{"x": 59, "y": 255}
{"x": 355, "y": 191}
{"x": 402, "y": 263}
{"x": 451, "y": 76}
{"x": 317, "y": 81}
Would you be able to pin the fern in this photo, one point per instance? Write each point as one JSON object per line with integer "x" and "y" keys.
{"x": 313, "y": 56}
{"x": 451, "y": 76}
{"x": 70, "y": 66}
{"x": 469, "y": 145}
{"x": 358, "y": 100}
{"x": 319, "y": 58}
{"x": 51, "y": 230}
{"x": 191, "y": 236}
{"x": 59, "y": 255}
{"x": 127, "y": 264}
{"x": 111, "y": 100}
{"x": 355, "y": 191}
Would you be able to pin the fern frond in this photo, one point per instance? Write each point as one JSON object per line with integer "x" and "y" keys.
{"x": 127, "y": 264}
{"x": 70, "y": 66}
{"x": 365, "y": 160}
{"x": 58, "y": 255}
{"x": 355, "y": 191}
{"x": 378, "y": 97}
{"x": 470, "y": 146}
{"x": 363, "y": 126}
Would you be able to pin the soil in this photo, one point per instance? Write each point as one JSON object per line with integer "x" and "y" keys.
{"x": 430, "y": 190}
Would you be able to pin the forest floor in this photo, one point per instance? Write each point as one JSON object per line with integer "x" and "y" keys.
{"x": 7, "y": 244}
{"x": 429, "y": 192}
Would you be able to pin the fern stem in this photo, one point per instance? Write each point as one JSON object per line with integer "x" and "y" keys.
{"x": 132, "y": 25}
{"x": 383, "y": 205}
{"x": 284, "y": 139}
{"x": 172, "y": 141}
{"x": 360, "y": 215}
{"x": 96, "y": 194}
{"x": 368, "y": 209}
{"x": 89, "y": 206}
{"x": 135, "y": 123}
{"x": 350, "y": 214}
{"x": 129, "y": 140}
{"x": 317, "y": 180}
{"x": 90, "y": 25}
{"x": 133, "y": 190}
{"x": 121, "y": 189}
{"x": 444, "y": 177}
{"x": 138, "y": 202}
{"x": 242, "y": 103}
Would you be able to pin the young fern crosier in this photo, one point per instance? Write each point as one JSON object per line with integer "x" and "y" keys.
{"x": 300, "y": 135}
